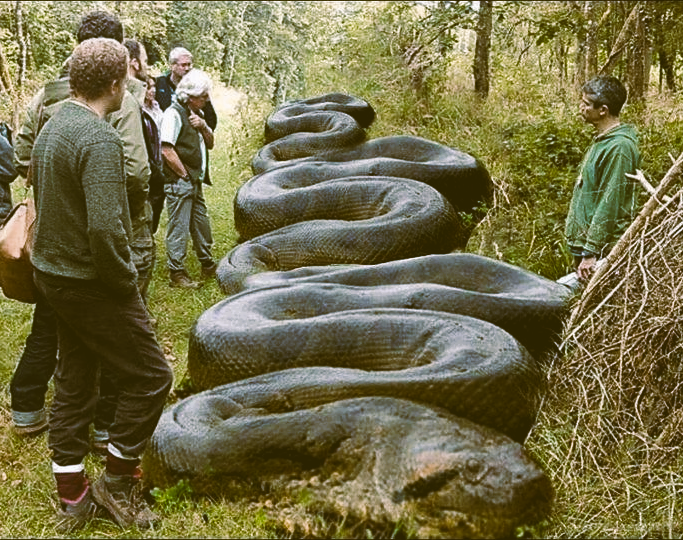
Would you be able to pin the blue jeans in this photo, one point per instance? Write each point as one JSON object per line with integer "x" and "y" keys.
{"x": 187, "y": 218}
{"x": 99, "y": 329}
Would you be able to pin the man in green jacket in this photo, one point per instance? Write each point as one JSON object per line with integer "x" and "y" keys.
{"x": 604, "y": 201}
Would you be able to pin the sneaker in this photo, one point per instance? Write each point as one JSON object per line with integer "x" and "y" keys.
{"x": 179, "y": 278}
{"x": 29, "y": 424}
{"x": 123, "y": 497}
{"x": 75, "y": 515}
{"x": 209, "y": 271}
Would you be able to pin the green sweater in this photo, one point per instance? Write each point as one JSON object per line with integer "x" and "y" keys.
{"x": 604, "y": 201}
{"x": 83, "y": 223}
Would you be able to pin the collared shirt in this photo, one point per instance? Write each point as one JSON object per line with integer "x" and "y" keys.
{"x": 171, "y": 124}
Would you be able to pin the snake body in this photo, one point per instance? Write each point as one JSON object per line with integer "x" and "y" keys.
{"x": 322, "y": 195}
{"x": 448, "y": 360}
{"x": 293, "y": 116}
{"x": 459, "y": 176}
{"x": 360, "y": 220}
{"x": 380, "y": 461}
{"x": 399, "y": 380}
{"x": 526, "y": 305}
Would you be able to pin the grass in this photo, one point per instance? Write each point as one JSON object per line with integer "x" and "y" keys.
{"x": 531, "y": 142}
{"x": 27, "y": 495}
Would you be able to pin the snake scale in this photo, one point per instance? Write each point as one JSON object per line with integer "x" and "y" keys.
{"x": 357, "y": 358}
{"x": 327, "y": 196}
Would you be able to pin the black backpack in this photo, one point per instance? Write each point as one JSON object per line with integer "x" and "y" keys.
{"x": 7, "y": 170}
{"x": 6, "y": 132}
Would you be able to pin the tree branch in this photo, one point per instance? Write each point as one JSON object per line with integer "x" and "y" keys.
{"x": 648, "y": 187}
{"x": 621, "y": 41}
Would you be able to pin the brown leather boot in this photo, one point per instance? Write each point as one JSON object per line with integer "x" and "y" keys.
{"x": 180, "y": 278}
{"x": 123, "y": 497}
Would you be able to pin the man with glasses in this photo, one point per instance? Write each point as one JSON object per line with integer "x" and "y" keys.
{"x": 180, "y": 63}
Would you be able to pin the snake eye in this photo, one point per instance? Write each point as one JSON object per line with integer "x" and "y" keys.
{"x": 475, "y": 470}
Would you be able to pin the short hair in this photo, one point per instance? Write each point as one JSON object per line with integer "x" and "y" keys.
{"x": 176, "y": 53}
{"x": 95, "y": 64}
{"x": 193, "y": 84}
{"x": 99, "y": 24}
{"x": 133, "y": 47}
{"x": 606, "y": 91}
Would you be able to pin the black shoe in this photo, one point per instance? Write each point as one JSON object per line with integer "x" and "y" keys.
{"x": 122, "y": 496}
{"x": 74, "y": 516}
{"x": 179, "y": 278}
{"x": 209, "y": 271}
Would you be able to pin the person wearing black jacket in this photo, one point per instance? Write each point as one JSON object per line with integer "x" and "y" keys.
{"x": 7, "y": 171}
{"x": 180, "y": 62}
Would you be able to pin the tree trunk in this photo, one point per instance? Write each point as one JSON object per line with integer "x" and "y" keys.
{"x": 627, "y": 31}
{"x": 640, "y": 57}
{"x": 21, "y": 42}
{"x": 580, "y": 56}
{"x": 5, "y": 79}
{"x": 667, "y": 67}
{"x": 591, "y": 43}
{"x": 482, "y": 49}
{"x": 560, "y": 50}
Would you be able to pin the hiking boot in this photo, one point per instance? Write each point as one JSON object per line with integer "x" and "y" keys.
{"x": 123, "y": 497}
{"x": 75, "y": 515}
{"x": 179, "y": 278}
{"x": 29, "y": 424}
{"x": 209, "y": 271}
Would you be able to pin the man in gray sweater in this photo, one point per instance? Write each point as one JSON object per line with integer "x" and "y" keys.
{"x": 84, "y": 269}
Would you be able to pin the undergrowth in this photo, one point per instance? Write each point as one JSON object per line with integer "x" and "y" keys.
{"x": 531, "y": 139}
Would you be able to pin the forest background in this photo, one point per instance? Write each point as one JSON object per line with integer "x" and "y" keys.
{"x": 499, "y": 80}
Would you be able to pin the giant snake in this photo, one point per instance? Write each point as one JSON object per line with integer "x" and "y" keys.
{"x": 401, "y": 378}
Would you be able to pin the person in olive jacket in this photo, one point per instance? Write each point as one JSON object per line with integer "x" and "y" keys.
{"x": 604, "y": 200}
{"x": 7, "y": 173}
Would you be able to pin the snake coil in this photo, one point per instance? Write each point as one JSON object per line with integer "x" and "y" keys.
{"x": 398, "y": 384}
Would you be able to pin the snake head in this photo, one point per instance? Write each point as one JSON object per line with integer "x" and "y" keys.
{"x": 489, "y": 478}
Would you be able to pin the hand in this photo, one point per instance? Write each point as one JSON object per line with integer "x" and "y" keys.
{"x": 586, "y": 268}
{"x": 197, "y": 122}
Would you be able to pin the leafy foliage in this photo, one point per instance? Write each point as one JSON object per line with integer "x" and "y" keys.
{"x": 527, "y": 133}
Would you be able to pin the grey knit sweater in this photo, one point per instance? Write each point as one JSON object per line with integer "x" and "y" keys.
{"x": 83, "y": 222}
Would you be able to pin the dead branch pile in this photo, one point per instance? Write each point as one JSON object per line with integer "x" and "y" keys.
{"x": 613, "y": 410}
